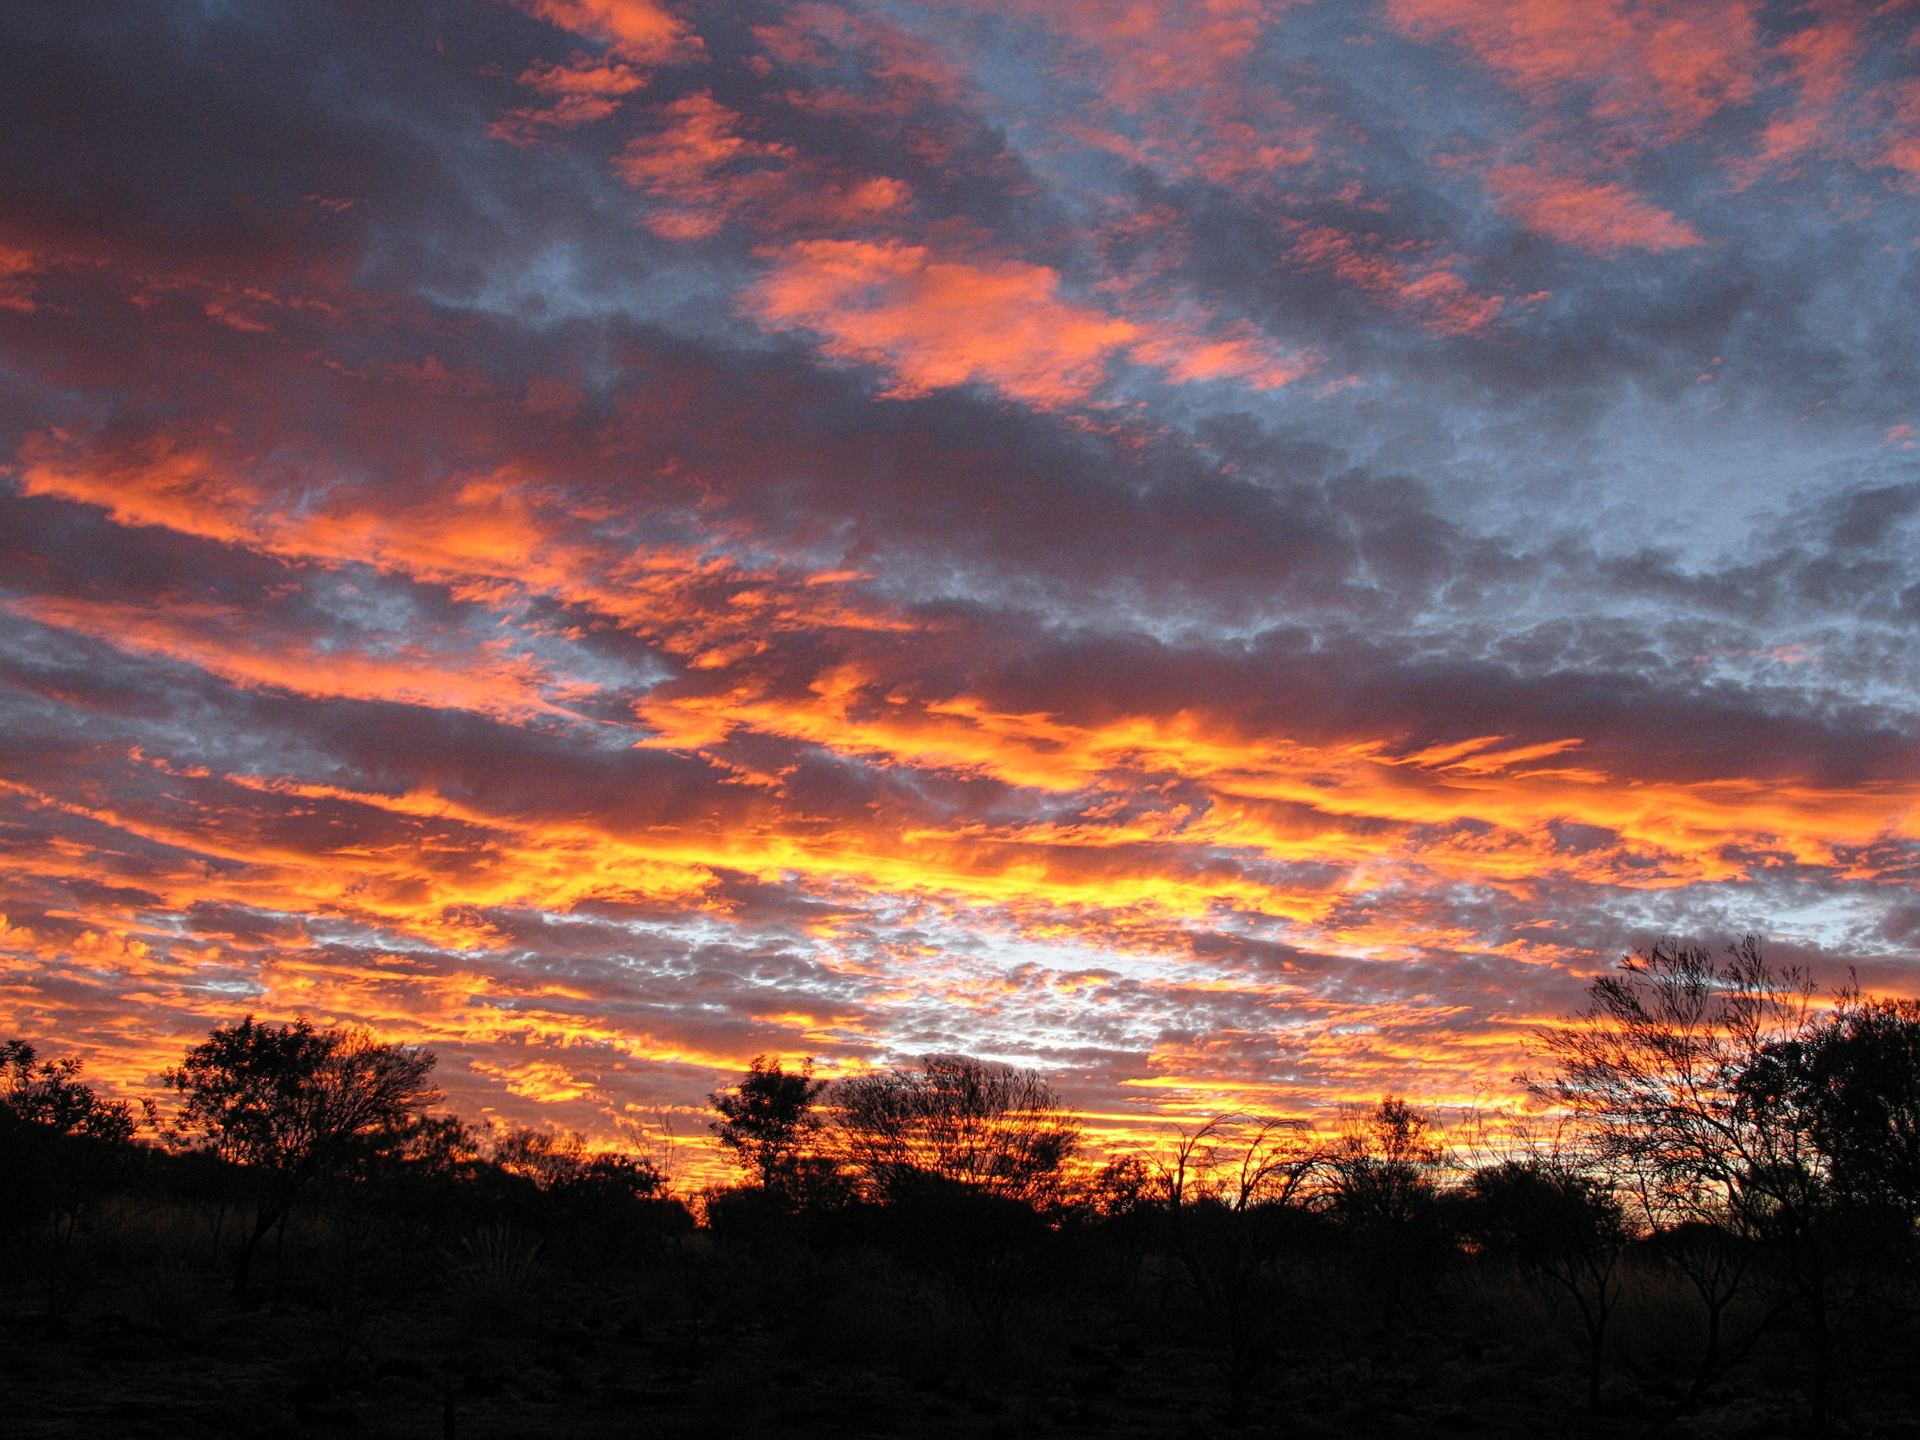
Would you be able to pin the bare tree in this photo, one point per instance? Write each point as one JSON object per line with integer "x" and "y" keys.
{"x": 1669, "y": 1068}
{"x": 1655, "y": 1063}
{"x": 1224, "y": 1187}
{"x": 1238, "y": 1160}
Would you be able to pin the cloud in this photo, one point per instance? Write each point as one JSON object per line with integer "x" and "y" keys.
{"x": 1603, "y": 219}
{"x": 932, "y": 323}
{"x": 1900, "y": 149}
{"x": 1437, "y": 295}
{"x": 640, "y": 31}
{"x": 1669, "y": 65}
{"x": 583, "y": 92}
{"x": 1233, "y": 552}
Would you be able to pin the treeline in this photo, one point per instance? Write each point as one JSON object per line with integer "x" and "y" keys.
{"x": 1724, "y": 1214}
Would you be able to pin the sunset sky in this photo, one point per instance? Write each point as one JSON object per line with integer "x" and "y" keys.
{"x": 1232, "y": 552}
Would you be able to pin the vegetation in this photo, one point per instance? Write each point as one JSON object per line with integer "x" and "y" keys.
{"x": 287, "y": 1105}
{"x": 770, "y": 1122}
{"x": 1718, "y": 1235}
{"x": 955, "y": 1122}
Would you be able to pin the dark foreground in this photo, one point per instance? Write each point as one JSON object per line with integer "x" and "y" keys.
{"x": 692, "y": 1333}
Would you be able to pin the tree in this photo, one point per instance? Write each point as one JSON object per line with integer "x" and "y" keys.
{"x": 1854, "y": 1076}
{"x": 1383, "y": 1162}
{"x": 50, "y": 1094}
{"x": 1238, "y": 1161}
{"x": 289, "y": 1104}
{"x": 599, "y": 1202}
{"x": 1679, "y": 1066}
{"x": 1658, "y": 1065}
{"x": 1382, "y": 1168}
{"x": 1561, "y": 1227}
{"x": 769, "y": 1122}
{"x": 563, "y": 1166}
{"x": 59, "y": 1141}
{"x": 1228, "y": 1190}
{"x": 956, "y": 1121}
{"x": 53, "y": 1127}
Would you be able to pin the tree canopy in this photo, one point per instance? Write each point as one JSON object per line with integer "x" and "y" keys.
{"x": 768, "y": 1120}
{"x": 956, "y": 1121}
{"x": 290, "y": 1103}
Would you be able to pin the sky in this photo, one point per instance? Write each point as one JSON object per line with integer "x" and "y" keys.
{"x": 1234, "y": 552}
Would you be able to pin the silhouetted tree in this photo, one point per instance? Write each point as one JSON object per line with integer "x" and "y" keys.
{"x": 1238, "y": 1160}
{"x": 1383, "y": 1165}
{"x": 600, "y": 1201}
{"x": 1558, "y": 1226}
{"x": 955, "y": 1121}
{"x": 1227, "y": 1188}
{"x": 1673, "y": 1065}
{"x": 1119, "y": 1209}
{"x": 1655, "y": 1066}
{"x": 1853, "y": 1076}
{"x": 289, "y": 1104}
{"x": 59, "y": 1141}
{"x": 769, "y": 1122}
{"x": 962, "y": 1152}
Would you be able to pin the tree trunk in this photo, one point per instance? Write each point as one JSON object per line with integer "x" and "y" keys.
{"x": 243, "y": 1263}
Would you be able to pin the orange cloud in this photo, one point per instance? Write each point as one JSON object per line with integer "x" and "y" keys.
{"x": 683, "y": 162}
{"x": 705, "y": 174}
{"x": 1191, "y": 353}
{"x": 159, "y": 484}
{"x": 584, "y": 92}
{"x": 16, "y": 288}
{"x": 1603, "y": 219}
{"x": 1363, "y": 804}
{"x": 218, "y": 641}
{"x": 932, "y": 323}
{"x": 1357, "y": 803}
{"x": 640, "y": 31}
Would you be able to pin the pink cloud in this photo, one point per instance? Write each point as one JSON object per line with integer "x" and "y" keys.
{"x": 1665, "y": 64}
{"x": 1437, "y": 296}
{"x": 1901, "y": 147}
{"x": 1603, "y": 219}
{"x": 1819, "y": 59}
